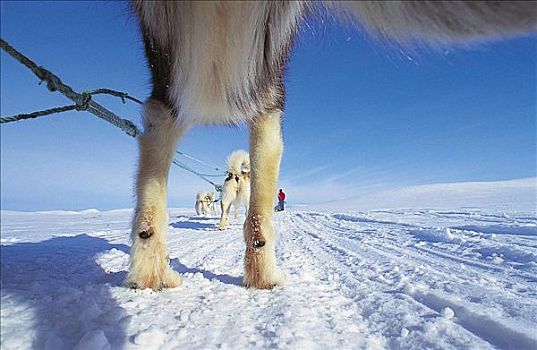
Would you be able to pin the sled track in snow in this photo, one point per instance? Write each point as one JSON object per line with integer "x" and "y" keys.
{"x": 405, "y": 255}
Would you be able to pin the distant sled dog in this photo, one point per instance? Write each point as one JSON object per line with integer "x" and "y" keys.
{"x": 205, "y": 203}
{"x": 223, "y": 63}
{"x": 236, "y": 188}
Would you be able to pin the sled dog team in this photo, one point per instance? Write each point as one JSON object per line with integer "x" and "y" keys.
{"x": 205, "y": 203}
{"x": 235, "y": 191}
{"x": 223, "y": 62}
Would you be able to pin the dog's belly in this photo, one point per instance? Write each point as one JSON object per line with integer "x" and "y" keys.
{"x": 234, "y": 60}
{"x": 226, "y": 58}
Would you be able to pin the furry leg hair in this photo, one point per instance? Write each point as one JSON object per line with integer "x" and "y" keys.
{"x": 266, "y": 146}
{"x": 149, "y": 260}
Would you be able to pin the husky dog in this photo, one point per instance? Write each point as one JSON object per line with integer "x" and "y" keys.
{"x": 223, "y": 63}
{"x": 236, "y": 189}
{"x": 205, "y": 203}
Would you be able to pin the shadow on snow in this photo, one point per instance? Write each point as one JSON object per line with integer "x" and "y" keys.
{"x": 68, "y": 292}
{"x": 193, "y": 223}
{"x": 226, "y": 279}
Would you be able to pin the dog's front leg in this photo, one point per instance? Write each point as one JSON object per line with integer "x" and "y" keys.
{"x": 149, "y": 260}
{"x": 261, "y": 270}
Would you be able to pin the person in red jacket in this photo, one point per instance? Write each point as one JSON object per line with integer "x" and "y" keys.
{"x": 281, "y": 200}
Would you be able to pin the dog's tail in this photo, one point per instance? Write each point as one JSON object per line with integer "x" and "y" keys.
{"x": 200, "y": 196}
{"x": 238, "y": 162}
{"x": 440, "y": 22}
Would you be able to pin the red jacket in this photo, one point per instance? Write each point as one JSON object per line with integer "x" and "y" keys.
{"x": 281, "y": 196}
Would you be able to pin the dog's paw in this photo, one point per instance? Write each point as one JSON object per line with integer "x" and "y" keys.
{"x": 167, "y": 278}
{"x": 261, "y": 272}
{"x": 223, "y": 225}
{"x": 149, "y": 266}
{"x": 260, "y": 268}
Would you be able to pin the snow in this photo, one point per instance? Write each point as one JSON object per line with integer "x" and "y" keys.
{"x": 397, "y": 278}
{"x": 509, "y": 195}
{"x": 93, "y": 340}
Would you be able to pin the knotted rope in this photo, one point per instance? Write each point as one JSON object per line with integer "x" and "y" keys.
{"x": 84, "y": 102}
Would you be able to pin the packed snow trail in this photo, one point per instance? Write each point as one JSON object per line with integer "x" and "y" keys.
{"x": 397, "y": 279}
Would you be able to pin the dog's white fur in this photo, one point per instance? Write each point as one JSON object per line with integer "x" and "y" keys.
{"x": 149, "y": 259}
{"x": 236, "y": 188}
{"x": 223, "y": 63}
{"x": 205, "y": 203}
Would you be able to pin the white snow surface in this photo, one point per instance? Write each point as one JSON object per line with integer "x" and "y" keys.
{"x": 383, "y": 279}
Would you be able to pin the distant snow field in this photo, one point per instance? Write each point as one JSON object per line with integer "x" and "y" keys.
{"x": 380, "y": 279}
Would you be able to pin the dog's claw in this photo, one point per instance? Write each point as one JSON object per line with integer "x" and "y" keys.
{"x": 145, "y": 234}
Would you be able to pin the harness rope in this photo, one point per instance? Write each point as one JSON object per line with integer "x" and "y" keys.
{"x": 84, "y": 102}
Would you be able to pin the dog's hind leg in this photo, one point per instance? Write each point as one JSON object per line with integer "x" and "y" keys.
{"x": 236, "y": 209}
{"x": 225, "y": 204}
{"x": 149, "y": 260}
{"x": 244, "y": 195}
{"x": 266, "y": 148}
{"x": 213, "y": 209}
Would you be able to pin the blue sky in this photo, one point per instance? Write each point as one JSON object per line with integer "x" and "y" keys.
{"x": 361, "y": 116}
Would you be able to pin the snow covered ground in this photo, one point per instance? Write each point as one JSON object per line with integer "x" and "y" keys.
{"x": 397, "y": 279}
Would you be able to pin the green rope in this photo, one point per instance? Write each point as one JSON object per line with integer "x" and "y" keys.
{"x": 222, "y": 172}
{"x": 202, "y": 176}
{"x": 84, "y": 102}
